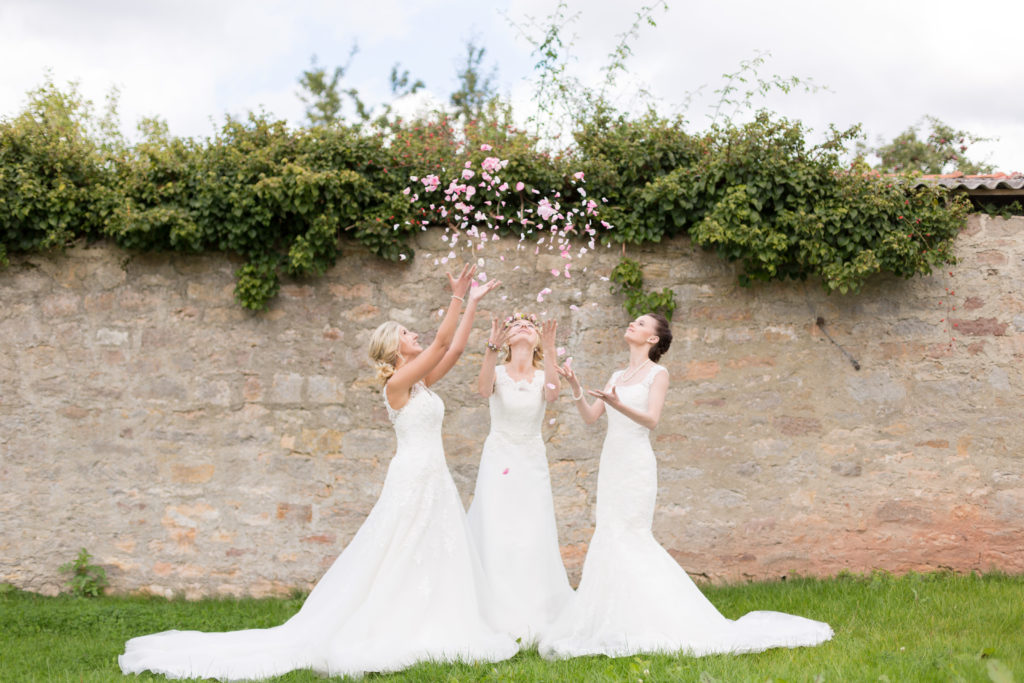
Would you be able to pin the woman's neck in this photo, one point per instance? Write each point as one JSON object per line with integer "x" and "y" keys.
{"x": 638, "y": 356}
{"x": 521, "y": 361}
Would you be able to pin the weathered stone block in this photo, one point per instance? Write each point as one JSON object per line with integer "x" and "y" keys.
{"x": 287, "y": 388}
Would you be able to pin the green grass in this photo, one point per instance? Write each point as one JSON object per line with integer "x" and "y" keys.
{"x": 931, "y": 627}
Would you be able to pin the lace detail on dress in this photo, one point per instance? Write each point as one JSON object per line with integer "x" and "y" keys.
{"x": 651, "y": 374}
{"x": 392, "y": 413}
{"x": 501, "y": 377}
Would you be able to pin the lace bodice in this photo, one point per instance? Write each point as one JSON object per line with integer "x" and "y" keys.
{"x": 419, "y": 418}
{"x": 637, "y": 397}
{"x": 517, "y": 407}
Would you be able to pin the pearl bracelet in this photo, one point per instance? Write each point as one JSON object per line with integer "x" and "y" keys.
{"x": 459, "y": 298}
{"x": 575, "y": 397}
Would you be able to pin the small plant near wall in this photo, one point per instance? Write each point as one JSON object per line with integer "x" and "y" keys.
{"x": 86, "y": 580}
{"x": 629, "y": 280}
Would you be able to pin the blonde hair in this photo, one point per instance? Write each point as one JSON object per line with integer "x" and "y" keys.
{"x": 384, "y": 349}
{"x": 538, "y": 352}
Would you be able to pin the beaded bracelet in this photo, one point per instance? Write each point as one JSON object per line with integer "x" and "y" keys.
{"x": 459, "y": 298}
{"x": 575, "y": 397}
{"x": 493, "y": 347}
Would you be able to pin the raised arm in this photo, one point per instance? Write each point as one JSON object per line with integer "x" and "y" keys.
{"x": 655, "y": 402}
{"x": 410, "y": 373}
{"x": 552, "y": 384}
{"x": 497, "y": 339}
{"x": 458, "y": 344}
{"x": 588, "y": 411}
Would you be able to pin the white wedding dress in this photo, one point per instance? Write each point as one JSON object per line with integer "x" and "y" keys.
{"x": 408, "y": 588}
{"x": 633, "y": 597}
{"x": 512, "y": 517}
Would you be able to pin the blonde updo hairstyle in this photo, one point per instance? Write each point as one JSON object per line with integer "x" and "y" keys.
{"x": 538, "y": 352}
{"x": 384, "y": 349}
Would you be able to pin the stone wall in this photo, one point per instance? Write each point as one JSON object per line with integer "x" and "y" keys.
{"x": 196, "y": 448}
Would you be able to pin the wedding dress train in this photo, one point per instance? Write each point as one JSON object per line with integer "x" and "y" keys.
{"x": 408, "y": 587}
{"x": 633, "y": 596}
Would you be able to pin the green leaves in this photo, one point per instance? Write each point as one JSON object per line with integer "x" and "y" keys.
{"x": 757, "y": 194}
{"x": 86, "y": 580}
{"x": 629, "y": 280}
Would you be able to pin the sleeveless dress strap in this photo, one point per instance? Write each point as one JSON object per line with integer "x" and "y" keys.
{"x": 651, "y": 374}
{"x": 392, "y": 413}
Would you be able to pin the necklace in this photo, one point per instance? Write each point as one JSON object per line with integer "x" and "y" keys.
{"x": 630, "y": 374}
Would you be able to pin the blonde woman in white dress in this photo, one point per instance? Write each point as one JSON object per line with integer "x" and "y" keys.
{"x": 409, "y": 586}
{"x": 512, "y": 517}
{"x": 633, "y": 596}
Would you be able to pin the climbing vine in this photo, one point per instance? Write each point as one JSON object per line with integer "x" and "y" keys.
{"x": 757, "y": 194}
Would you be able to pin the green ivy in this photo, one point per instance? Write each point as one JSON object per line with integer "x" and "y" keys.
{"x": 629, "y": 280}
{"x": 279, "y": 198}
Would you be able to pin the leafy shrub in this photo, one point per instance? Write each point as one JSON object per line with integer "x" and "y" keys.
{"x": 281, "y": 198}
{"x": 86, "y": 580}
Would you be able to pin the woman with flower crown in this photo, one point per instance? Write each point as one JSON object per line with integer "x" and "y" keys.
{"x": 409, "y": 586}
{"x": 633, "y": 596}
{"x": 512, "y": 517}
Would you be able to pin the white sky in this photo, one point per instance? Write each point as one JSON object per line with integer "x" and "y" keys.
{"x": 887, "y": 63}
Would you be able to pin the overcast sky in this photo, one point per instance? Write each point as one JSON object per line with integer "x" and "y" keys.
{"x": 886, "y": 63}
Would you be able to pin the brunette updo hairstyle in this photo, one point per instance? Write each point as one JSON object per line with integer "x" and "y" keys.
{"x": 664, "y": 333}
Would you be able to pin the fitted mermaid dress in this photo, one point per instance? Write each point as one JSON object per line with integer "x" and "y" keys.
{"x": 633, "y": 596}
{"x": 408, "y": 587}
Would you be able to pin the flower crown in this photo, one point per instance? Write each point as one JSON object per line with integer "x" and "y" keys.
{"x": 528, "y": 317}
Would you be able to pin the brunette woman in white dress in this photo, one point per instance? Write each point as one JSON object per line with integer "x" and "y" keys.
{"x": 512, "y": 517}
{"x": 633, "y": 597}
{"x": 409, "y": 586}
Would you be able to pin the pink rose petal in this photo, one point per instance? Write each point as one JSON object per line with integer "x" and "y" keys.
{"x": 505, "y": 471}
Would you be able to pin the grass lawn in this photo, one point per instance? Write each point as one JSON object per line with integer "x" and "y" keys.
{"x": 933, "y": 627}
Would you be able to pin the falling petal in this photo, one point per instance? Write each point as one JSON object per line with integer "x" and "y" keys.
{"x": 560, "y": 351}
{"x": 549, "y": 385}
{"x": 505, "y": 471}
{"x": 551, "y": 421}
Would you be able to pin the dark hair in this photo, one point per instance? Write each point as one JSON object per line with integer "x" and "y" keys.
{"x": 664, "y": 333}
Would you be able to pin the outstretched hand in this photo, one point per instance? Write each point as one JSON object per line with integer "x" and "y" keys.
{"x": 499, "y": 333}
{"x": 566, "y": 371}
{"x": 461, "y": 284}
{"x": 477, "y": 292}
{"x": 611, "y": 397}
